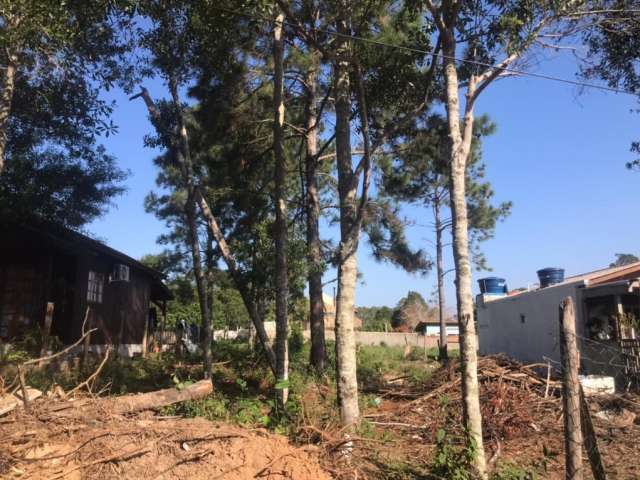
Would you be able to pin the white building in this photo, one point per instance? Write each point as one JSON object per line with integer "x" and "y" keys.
{"x": 525, "y": 324}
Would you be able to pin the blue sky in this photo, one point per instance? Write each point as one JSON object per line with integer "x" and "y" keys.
{"x": 558, "y": 155}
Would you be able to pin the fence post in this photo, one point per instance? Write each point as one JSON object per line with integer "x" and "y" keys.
{"x": 570, "y": 359}
{"x": 87, "y": 343}
{"x": 590, "y": 441}
{"x": 145, "y": 334}
{"x": 46, "y": 332}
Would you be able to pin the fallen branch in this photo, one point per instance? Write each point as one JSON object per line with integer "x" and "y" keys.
{"x": 93, "y": 375}
{"x": 43, "y": 360}
{"x": 111, "y": 458}
{"x": 194, "y": 457}
{"x": 160, "y": 398}
{"x": 398, "y": 424}
{"x": 262, "y": 471}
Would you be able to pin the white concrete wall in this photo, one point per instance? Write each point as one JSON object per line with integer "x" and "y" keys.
{"x": 501, "y": 328}
{"x": 392, "y": 339}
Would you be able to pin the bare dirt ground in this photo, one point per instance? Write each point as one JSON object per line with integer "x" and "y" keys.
{"x": 47, "y": 444}
{"x": 398, "y": 439}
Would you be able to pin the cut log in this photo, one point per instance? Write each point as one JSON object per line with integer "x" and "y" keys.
{"x": 157, "y": 399}
{"x": 8, "y": 403}
{"x": 32, "y": 394}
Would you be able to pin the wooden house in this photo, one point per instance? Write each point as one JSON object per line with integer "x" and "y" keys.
{"x": 42, "y": 263}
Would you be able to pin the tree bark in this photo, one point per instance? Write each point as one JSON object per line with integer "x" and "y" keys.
{"x": 6, "y": 98}
{"x": 314, "y": 252}
{"x": 236, "y": 275}
{"x": 282, "y": 289}
{"x": 442, "y": 348}
{"x": 460, "y": 146}
{"x": 210, "y": 262}
{"x": 183, "y": 159}
{"x": 347, "y": 382}
{"x": 201, "y": 281}
{"x": 160, "y": 398}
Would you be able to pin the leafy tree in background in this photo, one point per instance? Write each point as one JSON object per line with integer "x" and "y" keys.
{"x": 416, "y": 170}
{"x": 410, "y": 311}
{"x": 614, "y": 51}
{"x": 228, "y": 309}
{"x": 66, "y": 190}
{"x": 623, "y": 259}
{"x": 55, "y": 58}
{"x": 375, "y": 319}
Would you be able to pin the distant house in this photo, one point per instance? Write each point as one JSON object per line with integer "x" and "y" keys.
{"x": 330, "y": 314}
{"x": 431, "y": 327}
{"x": 524, "y": 324}
{"x": 42, "y": 262}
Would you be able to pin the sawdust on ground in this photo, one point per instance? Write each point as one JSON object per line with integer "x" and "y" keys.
{"x": 53, "y": 444}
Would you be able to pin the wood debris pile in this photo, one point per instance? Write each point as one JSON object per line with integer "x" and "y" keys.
{"x": 518, "y": 403}
{"x": 522, "y": 419}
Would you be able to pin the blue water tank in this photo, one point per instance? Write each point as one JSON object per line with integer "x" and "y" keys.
{"x": 493, "y": 285}
{"x": 550, "y": 276}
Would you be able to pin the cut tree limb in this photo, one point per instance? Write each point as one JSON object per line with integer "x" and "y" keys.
{"x": 157, "y": 399}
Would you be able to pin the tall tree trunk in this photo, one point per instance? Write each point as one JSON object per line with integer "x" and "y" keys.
{"x": 6, "y": 98}
{"x": 314, "y": 253}
{"x": 180, "y": 147}
{"x": 201, "y": 281}
{"x": 443, "y": 353}
{"x": 282, "y": 289}
{"x": 184, "y": 154}
{"x": 210, "y": 262}
{"x": 347, "y": 268}
{"x": 238, "y": 281}
{"x": 460, "y": 147}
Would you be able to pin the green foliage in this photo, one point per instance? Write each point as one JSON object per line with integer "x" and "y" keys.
{"x": 57, "y": 186}
{"x": 374, "y": 362}
{"x": 614, "y": 51}
{"x": 510, "y": 471}
{"x": 420, "y": 174}
{"x": 623, "y": 259}
{"x": 452, "y": 461}
{"x": 64, "y": 53}
{"x": 375, "y": 319}
{"x": 296, "y": 339}
{"x": 412, "y": 310}
{"x": 118, "y": 376}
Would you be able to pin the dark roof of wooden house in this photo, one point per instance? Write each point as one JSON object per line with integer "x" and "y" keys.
{"x": 68, "y": 238}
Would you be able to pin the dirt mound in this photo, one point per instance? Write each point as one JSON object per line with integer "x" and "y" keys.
{"x": 45, "y": 444}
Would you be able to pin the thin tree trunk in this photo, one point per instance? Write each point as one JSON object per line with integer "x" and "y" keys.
{"x": 443, "y": 353}
{"x": 282, "y": 327}
{"x": 210, "y": 262}
{"x": 6, "y": 98}
{"x": 314, "y": 253}
{"x": 347, "y": 382}
{"x": 239, "y": 282}
{"x": 183, "y": 160}
{"x": 460, "y": 146}
{"x": 201, "y": 281}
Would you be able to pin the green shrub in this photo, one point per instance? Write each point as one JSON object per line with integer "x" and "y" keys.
{"x": 451, "y": 461}
{"x": 296, "y": 339}
{"x": 510, "y": 471}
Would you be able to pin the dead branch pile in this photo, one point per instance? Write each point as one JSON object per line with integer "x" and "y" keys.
{"x": 522, "y": 421}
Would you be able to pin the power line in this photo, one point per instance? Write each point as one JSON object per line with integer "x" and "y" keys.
{"x": 435, "y": 55}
